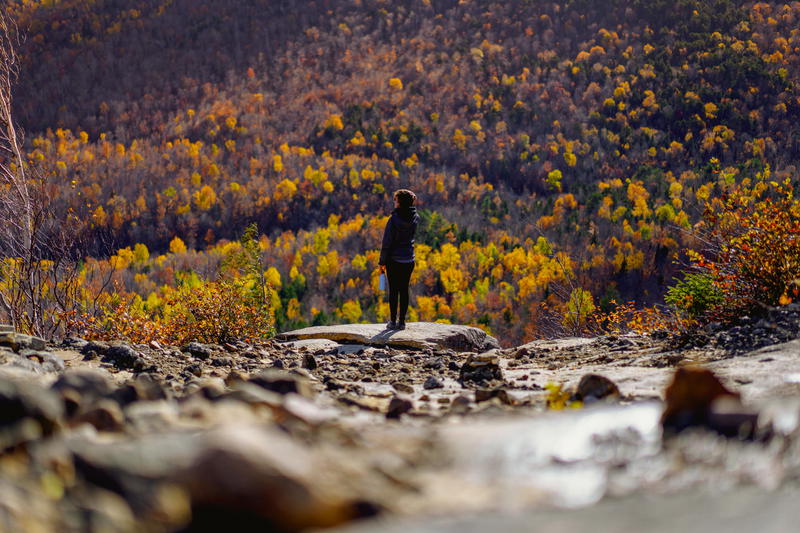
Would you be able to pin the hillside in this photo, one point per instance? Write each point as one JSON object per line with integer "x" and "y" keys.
{"x": 554, "y": 146}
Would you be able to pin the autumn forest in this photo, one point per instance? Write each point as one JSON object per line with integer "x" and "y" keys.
{"x": 565, "y": 154}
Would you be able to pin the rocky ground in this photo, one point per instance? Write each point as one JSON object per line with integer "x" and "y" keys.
{"x": 433, "y": 428}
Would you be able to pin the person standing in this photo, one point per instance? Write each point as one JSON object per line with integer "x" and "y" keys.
{"x": 397, "y": 255}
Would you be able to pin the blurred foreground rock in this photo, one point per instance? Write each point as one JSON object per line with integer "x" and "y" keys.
{"x": 303, "y": 435}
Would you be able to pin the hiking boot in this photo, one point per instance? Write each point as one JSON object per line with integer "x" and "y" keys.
{"x": 391, "y": 325}
{"x": 401, "y": 325}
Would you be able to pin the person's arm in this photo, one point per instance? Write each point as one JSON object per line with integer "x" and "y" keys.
{"x": 386, "y": 246}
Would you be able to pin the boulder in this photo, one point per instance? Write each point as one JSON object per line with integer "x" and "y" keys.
{"x": 418, "y": 335}
{"x": 18, "y": 341}
{"x": 255, "y": 479}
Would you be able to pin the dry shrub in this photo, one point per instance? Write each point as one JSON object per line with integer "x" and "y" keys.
{"x": 752, "y": 256}
{"x": 212, "y": 312}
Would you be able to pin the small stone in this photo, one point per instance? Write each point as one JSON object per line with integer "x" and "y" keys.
{"x": 398, "y": 406}
{"x": 481, "y": 368}
{"x": 594, "y": 387}
{"x": 194, "y": 369}
{"x": 432, "y": 383}
{"x": 105, "y": 416}
{"x": 31, "y": 343}
{"x": 484, "y": 395}
{"x": 236, "y": 376}
{"x": 309, "y": 362}
{"x": 94, "y": 347}
{"x": 282, "y": 382}
{"x": 696, "y": 397}
{"x": 332, "y": 384}
{"x": 122, "y": 356}
{"x": 403, "y": 387}
{"x": 222, "y": 361}
{"x": 208, "y": 388}
{"x": 198, "y": 350}
{"x": 460, "y": 405}
{"x": 21, "y": 401}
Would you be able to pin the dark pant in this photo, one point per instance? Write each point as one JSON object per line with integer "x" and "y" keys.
{"x": 398, "y": 275}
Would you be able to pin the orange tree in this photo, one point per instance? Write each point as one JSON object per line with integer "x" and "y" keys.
{"x": 752, "y": 255}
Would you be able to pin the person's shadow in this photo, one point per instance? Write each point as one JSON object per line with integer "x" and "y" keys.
{"x": 384, "y": 335}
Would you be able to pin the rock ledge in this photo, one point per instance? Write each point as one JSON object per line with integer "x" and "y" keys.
{"x": 418, "y": 335}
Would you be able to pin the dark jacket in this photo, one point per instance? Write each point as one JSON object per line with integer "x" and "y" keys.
{"x": 398, "y": 237}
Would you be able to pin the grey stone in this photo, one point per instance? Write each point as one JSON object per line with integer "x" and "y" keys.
{"x": 91, "y": 383}
{"x": 480, "y": 368}
{"x": 106, "y": 415}
{"x": 403, "y": 387}
{"x": 198, "y": 350}
{"x": 432, "y": 383}
{"x": 48, "y": 361}
{"x": 19, "y": 341}
{"x": 30, "y": 342}
{"x": 281, "y": 382}
{"x": 312, "y": 344}
{"x": 10, "y": 359}
{"x": 124, "y": 357}
{"x": 418, "y": 335}
{"x": 20, "y": 401}
{"x": 96, "y": 347}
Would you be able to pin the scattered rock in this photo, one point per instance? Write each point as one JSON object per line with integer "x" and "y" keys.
{"x": 309, "y": 361}
{"x": 483, "y": 395}
{"x": 264, "y": 478}
{"x": 27, "y": 411}
{"x": 104, "y": 416}
{"x": 461, "y": 405}
{"x": 95, "y": 348}
{"x": 198, "y": 350}
{"x": 432, "y": 383}
{"x": 19, "y": 341}
{"x": 222, "y": 361}
{"x": 403, "y": 387}
{"x": 282, "y": 382}
{"x": 123, "y": 357}
{"x": 194, "y": 369}
{"x": 594, "y": 387}
{"x": 480, "y": 369}
{"x": 89, "y": 383}
{"x": 48, "y": 361}
{"x": 369, "y": 403}
{"x": 397, "y": 406}
{"x": 696, "y": 397}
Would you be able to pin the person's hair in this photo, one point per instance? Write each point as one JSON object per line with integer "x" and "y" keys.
{"x": 405, "y": 197}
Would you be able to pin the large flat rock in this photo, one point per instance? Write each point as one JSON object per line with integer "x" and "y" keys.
{"x": 416, "y": 335}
